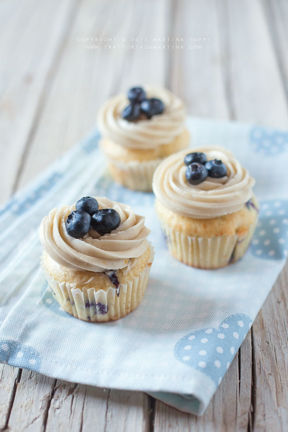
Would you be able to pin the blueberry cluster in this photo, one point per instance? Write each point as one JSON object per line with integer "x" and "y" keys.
{"x": 199, "y": 168}
{"x": 140, "y": 106}
{"x": 87, "y": 215}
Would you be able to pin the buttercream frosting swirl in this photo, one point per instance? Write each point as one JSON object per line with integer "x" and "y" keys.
{"x": 143, "y": 134}
{"x": 95, "y": 253}
{"x": 213, "y": 197}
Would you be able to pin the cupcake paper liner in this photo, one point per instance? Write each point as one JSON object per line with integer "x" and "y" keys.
{"x": 134, "y": 174}
{"x": 89, "y": 304}
{"x": 207, "y": 252}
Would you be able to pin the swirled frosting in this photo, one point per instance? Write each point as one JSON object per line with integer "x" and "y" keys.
{"x": 212, "y": 198}
{"x": 95, "y": 253}
{"x": 142, "y": 134}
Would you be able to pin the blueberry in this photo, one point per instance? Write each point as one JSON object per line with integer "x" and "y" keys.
{"x": 112, "y": 275}
{"x": 87, "y": 204}
{"x": 131, "y": 112}
{"x": 216, "y": 168}
{"x": 196, "y": 173}
{"x": 157, "y": 106}
{"x": 78, "y": 223}
{"x": 151, "y": 107}
{"x": 146, "y": 108}
{"x": 105, "y": 220}
{"x": 136, "y": 94}
{"x": 195, "y": 157}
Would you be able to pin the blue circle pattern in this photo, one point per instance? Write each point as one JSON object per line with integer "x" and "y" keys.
{"x": 211, "y": 350}
{"x": 20, "y": 355}
{"x": 269, "y": 142}
{"x": 270, "y": 240}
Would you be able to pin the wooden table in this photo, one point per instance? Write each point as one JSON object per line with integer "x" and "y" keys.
{"x": 59, "y": 61}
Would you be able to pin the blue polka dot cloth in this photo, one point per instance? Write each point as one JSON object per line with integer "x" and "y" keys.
{"x": 271, "y": 236}
{"x": 268, "y": 141}
{"x": 19, "y": 354}
{"x": 179, "y": 343}
{"x": 211, "y": 350}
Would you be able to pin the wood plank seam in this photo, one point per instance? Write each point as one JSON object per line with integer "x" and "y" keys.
{"x": 239, "y": 370}
{"x": 151, "y": 413}
{"x": 82, "y": 413}
{"x": 46, "y": 413}
{"x": 251, "y": 416}
{"x": 106, "y": 411}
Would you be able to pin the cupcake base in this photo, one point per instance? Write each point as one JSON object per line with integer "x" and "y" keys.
{"x": 134, "y": 168}
{"x": 91, "y": 296}
{"x": 207, "y": 253}
{"x": 208, "y": 243}
{"x": 134, "y": 175}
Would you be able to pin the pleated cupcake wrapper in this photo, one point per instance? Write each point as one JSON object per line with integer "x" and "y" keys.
{"x": 89, "y": 304}
{"x": 207, "y": 252}
{"x": 134, "y": 175}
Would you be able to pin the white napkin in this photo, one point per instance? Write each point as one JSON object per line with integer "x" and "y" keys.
{"x": 181, "y": 340}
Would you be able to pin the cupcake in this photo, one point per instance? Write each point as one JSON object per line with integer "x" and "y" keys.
{"x": 96, "y": 258}
{"x": 206, "y": 207}
{"x": 140, "y": 130}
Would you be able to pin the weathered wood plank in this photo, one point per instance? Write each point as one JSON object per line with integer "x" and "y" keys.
{"x": 196, "y": 68}
{"x": 127, "y": 411}
{"x": 277, "y": 18}
{"x": 29, "y": 410}
{"x": 26, "y": 62}
{"x": 228, "y": 410}
{"x": 87, "y": 76}
{"x": 271, "y": 365}
{"x": 9, "y": 378}
{"x": 75, "y": 407}
{"x": 253, "y": 81}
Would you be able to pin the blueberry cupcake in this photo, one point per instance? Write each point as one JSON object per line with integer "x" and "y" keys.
{"x": 96, "y": 258}
{"x": 138, "y": 131}
{"x": 206, "y": 207}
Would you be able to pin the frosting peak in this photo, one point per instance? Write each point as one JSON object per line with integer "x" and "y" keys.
{"x": 142, "y": 134}
{"x": 213, "y": 197}
{"x": 95, "y": 253}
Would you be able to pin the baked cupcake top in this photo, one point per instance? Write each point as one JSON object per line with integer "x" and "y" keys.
{"x": 154, "y": 117}
{"x": 87, "y": 237}
{"x": 221, "y": 185}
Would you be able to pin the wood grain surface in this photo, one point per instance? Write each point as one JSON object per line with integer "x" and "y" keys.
{"x": 227, "y": 59}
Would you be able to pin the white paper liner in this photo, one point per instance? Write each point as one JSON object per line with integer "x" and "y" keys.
{"x": 209, "y": 252}
{"x": 134, "y": 174}
{"x": 89, "y": 304}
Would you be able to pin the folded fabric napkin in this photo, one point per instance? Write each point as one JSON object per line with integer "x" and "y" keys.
{"x": 181, "y": 340}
